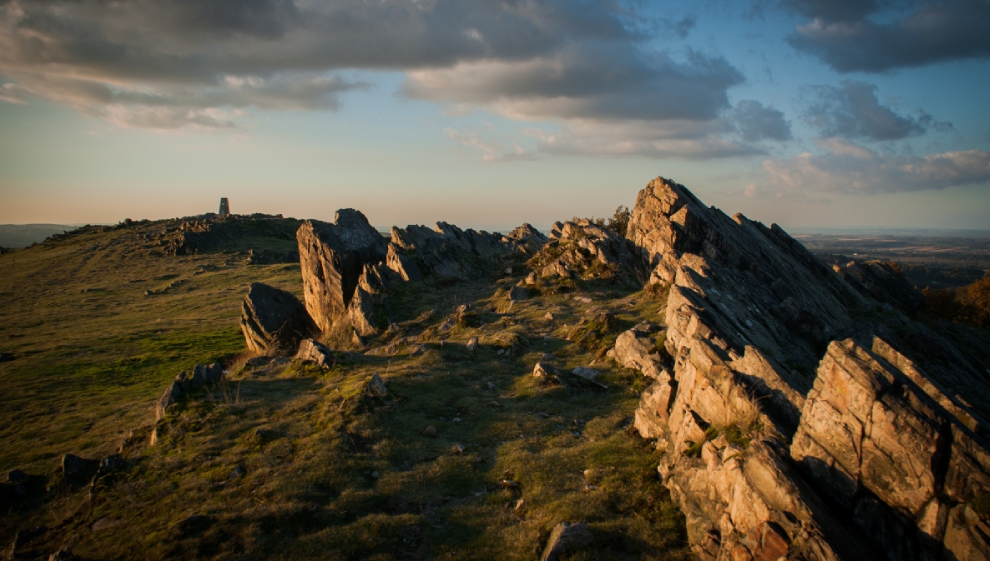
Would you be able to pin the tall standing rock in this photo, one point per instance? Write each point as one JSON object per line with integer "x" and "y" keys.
{"x": 333, "y": 257}
{"x": 273, "y": 321}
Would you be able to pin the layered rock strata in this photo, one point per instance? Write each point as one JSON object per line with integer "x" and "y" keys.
{"x": 799, "y": 416}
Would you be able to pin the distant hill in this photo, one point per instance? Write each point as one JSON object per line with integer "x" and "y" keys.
{"x": 23, "y": 235}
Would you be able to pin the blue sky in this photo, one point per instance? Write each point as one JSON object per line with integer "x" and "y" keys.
{"x": 491, "y": 113}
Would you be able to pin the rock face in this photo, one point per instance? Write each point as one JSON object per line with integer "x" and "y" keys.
{"x": 803, "y": 415}
{"x": 273, "y": 321}
{"x": 587, "y": 250}
{"x": 445, "y": 253}
{"x": 526, "y": 239}
{"x": 333, "y": 258}
{"x": 880, "y": 281}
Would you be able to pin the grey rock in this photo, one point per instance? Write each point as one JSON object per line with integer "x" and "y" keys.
{"x": 564, "y": 538}
{"x": 273, "y": 321}
{"x": 311, "y": 350}
{"x": 376, "y": 387}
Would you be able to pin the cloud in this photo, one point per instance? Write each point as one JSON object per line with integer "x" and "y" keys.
{"x": 845, "y": 167}
{"x": 756, "y": 122}
{"x": 843, "y": 37}
{"x": 853, "y": 111}
{"x": 588, "y": 80}
{"x": 527, "y": 59}
{"x": 834, "y": 10}
{"x": 687, "y": 140}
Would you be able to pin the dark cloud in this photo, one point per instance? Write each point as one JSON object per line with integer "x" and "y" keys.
{"x": 588, "y": 80}
{"x": 757, "y": 122}
{"x": 933, "y": 32}
{"x": 684, "y": 26}
{"x": 844, "y": 167}
{"x": 532, "y": 58}
{"x": 834, "y": 10}
{"x": 853, "y": 111}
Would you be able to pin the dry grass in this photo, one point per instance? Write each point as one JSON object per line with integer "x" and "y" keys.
{"x": 288, "y": 461}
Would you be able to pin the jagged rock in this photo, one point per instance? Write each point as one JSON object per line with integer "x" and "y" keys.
{"x": 881, "y": 282}
{"x": 445, "y": 253}
{"x": 273, "y": 321}
{"x": 472, "y": 344}
{"x": 527, "y": 239}
{"x": 584, "y": 249}
{"x": 634, "y": 351}
{"x": 333, "y": 258}
{"x": 564, "y": 538}
{"x": 748, "y": 315}
{"x": 313, "y": 351}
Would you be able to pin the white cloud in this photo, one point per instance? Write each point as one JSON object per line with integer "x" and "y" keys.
{"x": 845, "y": 167}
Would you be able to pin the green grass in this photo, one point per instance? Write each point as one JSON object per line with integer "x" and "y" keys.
{"x": 328, "y": 471}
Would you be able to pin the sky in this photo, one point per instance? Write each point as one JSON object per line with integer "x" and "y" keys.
{"x": 490, "y": 113}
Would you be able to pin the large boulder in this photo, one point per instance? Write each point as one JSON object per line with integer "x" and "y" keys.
{"x": 332, "y": 259}
{"x": 273, "y": 321}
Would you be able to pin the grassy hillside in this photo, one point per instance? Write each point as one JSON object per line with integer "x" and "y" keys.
{"x": 289, "y": 461}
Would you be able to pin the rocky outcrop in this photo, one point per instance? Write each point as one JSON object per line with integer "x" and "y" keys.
{"x": 880, "y": 281}
{"x": 333, "y": 258}
{"x": 445, "y": 253}
{"x": 526, "y": 239}
{"x": 273, "y": 321}
{"x": 800, "y": 416}
{"x": 185, "y": 382}
{"x": 583, "y": 249}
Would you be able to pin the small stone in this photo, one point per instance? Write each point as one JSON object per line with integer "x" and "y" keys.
{"x": 519, "y": 504}
{"x": 376, "y": 387}
{"x": 472, "y": 344}
{"x": 17, "y": 476}
{"x": 583, "y": 299}
{"x": 492, "y": 386}
{"x": 456, "y": 420}
{"x": 548, "y": 316}
{"x": 547, "y": 357}
{"x": 543, "y": 370}
{"x": 508, "y": 270}
{"x": 590, "y": 487}
{"x": 457, "y": 449}
{"x": 63, "y": 554}
{"x": 500, "y": 352}
{"x": 508, "y": 484}
{"x": 430, "y": 431}
{"x": 375, "y": 475}
{"x": 564, "y": 538}
{"x": 238, "y": 471}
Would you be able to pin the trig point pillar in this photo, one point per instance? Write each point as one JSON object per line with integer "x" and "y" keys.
{"x": 224, "y": 207}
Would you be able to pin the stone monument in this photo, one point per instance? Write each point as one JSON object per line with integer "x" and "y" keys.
{"x": 224, "y": 207}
